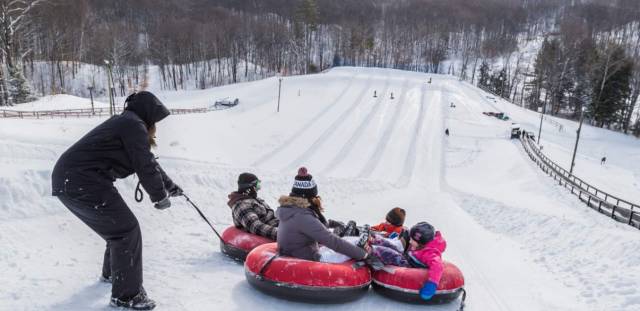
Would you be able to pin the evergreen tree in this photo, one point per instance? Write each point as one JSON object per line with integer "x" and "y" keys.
{"x": 612, "y": 85}
{"x": 500, "y": 84}
{"x": 485, "y": 76}
{"x": 337, "y": 60}
{"x": 548, "y": 73}
{"x": 19, "y": 89}
{"x": 581, "y": 76}
{"x": 305, "y": 24}
{"x": 4, "y": 94}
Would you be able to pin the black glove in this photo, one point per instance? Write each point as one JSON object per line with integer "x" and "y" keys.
{"x": 163, "y": 204}
{"x": 373, "y": 261}
{"x": 175, "y": 191}
{"x": 334, "y": 223}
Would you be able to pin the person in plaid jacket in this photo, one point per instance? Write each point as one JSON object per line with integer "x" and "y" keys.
{"x": 250, "y": 213}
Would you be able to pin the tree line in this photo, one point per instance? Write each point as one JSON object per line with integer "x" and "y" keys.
{"x": 587, "y": 59}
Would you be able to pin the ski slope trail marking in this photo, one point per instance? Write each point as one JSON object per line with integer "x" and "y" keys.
{"x": 300, "y": 131}
{"x": 376, "y": 155}
{"x": 347, "y": 148}
{"x": 410, "y": 162}
{"x": 324, "y": 137}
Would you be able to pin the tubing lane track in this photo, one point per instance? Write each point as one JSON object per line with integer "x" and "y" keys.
{"x": 268, "y": 156}
{"x": 324, "y": 137}
{"x": 378, "y": 151}
{"x": 348, "y": 147}
{"x": 410, "y": 161}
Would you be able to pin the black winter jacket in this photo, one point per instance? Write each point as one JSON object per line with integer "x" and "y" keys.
{"x": 115, "y": 149}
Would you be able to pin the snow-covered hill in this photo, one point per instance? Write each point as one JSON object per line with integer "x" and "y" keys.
{"x": 522, "y": 242}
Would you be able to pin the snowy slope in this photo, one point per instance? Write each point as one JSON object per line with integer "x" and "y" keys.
{"x": 522, "y": 243}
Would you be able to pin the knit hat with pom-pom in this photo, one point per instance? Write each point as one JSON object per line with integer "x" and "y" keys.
{"x": 303, "y": 185}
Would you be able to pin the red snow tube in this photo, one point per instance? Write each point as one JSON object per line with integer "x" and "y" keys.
{"x": 404, "y": 284}
{"x": 304, "y": 280}
{"x": 237, "y": 243}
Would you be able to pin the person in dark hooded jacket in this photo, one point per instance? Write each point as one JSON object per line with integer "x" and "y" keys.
{"x": 302, "y": 226}
{"x": 83, "y": 178}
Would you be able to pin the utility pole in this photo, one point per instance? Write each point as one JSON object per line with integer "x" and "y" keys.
{"x": 93, "y": 110}
{"x": 544, "y": 109}
{"x": 112, "y": 105}
{"x": 575, "y": 148}
{"x": 279, "y": 92}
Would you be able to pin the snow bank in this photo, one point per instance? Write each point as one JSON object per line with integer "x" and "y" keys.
{"x": 58, "y": 102}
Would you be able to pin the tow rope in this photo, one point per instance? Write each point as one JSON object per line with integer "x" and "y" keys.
{"x": 204, "y": 218}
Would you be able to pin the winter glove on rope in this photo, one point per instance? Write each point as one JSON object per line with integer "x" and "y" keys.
{"x": 175, "y": 191}
{"x": 428, "y": 290}
{"x": 163, "y": 204}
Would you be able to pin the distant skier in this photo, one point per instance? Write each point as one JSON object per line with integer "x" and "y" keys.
{"x": 446, "y": 132}
{"x": 83, "y": 179}
{"x": 603, "y": 160}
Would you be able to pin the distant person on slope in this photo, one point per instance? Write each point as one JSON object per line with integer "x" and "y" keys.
{"x": 251, "y": 213}
{"x": 603, "y": 160}
{"x": 303, "y": 226}
{"x": 83, "y": 179}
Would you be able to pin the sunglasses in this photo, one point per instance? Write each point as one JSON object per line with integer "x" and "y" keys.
{"x": 256, "y": 183}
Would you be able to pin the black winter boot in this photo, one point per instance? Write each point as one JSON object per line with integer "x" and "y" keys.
{"x": 138, "y": 302}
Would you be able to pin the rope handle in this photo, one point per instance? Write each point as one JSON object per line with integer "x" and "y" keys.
{"x": 139, "y": 195}
{"x": 266, "y": 265}
{"x": 464, "y": 297}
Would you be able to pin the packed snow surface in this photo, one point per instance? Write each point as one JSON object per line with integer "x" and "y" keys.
{"x": 522, "y": 242}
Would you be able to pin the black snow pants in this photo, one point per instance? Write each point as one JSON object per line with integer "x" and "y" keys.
{"x": 108, "y": 215}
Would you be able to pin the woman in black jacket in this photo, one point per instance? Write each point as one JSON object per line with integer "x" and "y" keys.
{"x": 83, "y": 179}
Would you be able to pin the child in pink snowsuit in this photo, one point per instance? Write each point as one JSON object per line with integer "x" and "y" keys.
{"x": 425, "y": 251}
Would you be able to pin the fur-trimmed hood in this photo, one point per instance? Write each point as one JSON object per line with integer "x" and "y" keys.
{"x": 290, "y": 201}
{"x": 291, "y": 206}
